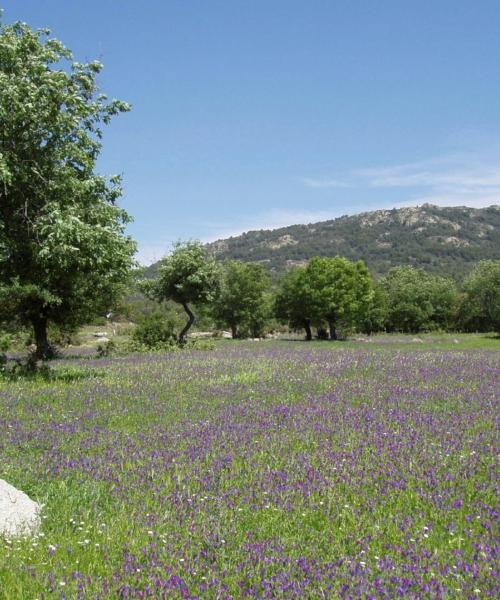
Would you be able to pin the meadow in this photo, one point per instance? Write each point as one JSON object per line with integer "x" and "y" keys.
{"x": 259, "y": 470}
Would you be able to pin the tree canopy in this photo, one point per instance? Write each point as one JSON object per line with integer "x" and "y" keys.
{"x": 327, "y": 291}
{"x": 187, "y": 276}
{"x": 63, "y": 249}
{"x": 417, "y": 300}
{"x": 481, "y": 305}
{"x": 340, "y": 291}
{"x": 293, "y": 301}
{"x": 241, "y": 303}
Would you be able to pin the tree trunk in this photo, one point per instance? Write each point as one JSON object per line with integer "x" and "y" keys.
{"x": 333, "y": 331}
{"x": 43, "y": 349}
{"x": 307, "y": 327}
{"x": 187, "y": 327}
{"x": 234, "y": 332}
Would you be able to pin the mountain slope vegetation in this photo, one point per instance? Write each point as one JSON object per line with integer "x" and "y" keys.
{"x": 442, "y": 240}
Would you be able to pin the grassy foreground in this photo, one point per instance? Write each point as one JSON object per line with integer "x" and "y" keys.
{"x": 259, "y": 470}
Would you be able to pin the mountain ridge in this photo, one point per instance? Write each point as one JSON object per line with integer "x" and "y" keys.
{"x": 444, "y": 240}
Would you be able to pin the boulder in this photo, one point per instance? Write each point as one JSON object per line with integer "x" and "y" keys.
{"x": 19, "y": 515}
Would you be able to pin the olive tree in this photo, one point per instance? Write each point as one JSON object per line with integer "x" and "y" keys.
{"x": 187, "y": 276}
{"x": 63, "y": 248}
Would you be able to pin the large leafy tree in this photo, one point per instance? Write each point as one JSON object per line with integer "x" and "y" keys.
{"x": 340, "y": 289}
{"x": 241, "y": 303}
{"x": 63, "y": 252}
{"x": 481, "y": 305}
{"x": 187, "y": 276}
{"x": 293, "y": 303}
{"x": 417, "y": 300}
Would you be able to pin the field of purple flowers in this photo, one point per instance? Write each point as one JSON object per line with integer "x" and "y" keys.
{"x": 271, "y": 470}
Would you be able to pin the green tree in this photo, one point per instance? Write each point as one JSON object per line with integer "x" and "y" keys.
{"x": 341, "y": 290}
{"x": 63, "y": 252}
{"x": 481, "y": 304}
{"x": 187, "y": 276}
{"x": 293, "y": 302}
{"x": 241, "y": 303}
{"x": 374, "y": 316}
{"x": 418, "y": 300}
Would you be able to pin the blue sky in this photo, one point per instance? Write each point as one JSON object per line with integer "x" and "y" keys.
{"x": 261, "y": 113}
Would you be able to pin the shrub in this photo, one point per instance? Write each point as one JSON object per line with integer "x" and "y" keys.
{"x": 62, "y": 336}
{"x": 5, "y": 342}
{"x": 105, "y": 349}
{"x": 155, "y": 333}
{"x": 100, "y": 321}
{"x": 200, "y": 344}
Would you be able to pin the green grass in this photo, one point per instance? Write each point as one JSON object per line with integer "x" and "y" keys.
{"x": 232, "y": 468}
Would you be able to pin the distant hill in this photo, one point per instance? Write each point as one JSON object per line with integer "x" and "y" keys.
{"x": 444, "y": 240}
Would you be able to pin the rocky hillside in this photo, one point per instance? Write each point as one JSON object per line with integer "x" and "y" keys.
{"x": 445, "y": 240}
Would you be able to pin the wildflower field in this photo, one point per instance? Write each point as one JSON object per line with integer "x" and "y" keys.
{"x": 257, "y": 470}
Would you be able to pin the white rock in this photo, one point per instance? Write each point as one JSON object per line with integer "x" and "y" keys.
{"x": 100, "y": 334}
{"x": 19, "y": 515}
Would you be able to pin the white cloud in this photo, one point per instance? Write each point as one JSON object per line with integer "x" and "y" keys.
{"x": 324, "y": 183}
{"x": 459, "y": 176}
{"x": 472, "y": 200}
{"x": 150, "y": 253}
{"x": 447, "y": 181}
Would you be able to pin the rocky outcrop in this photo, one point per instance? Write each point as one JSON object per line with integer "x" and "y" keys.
{"x": 19, "y": 515}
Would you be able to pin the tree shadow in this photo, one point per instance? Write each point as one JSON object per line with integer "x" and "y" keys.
{"x": 315, "y": 339}
{"x": 492, "y": 336}
{"x": 28, "y": 370}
